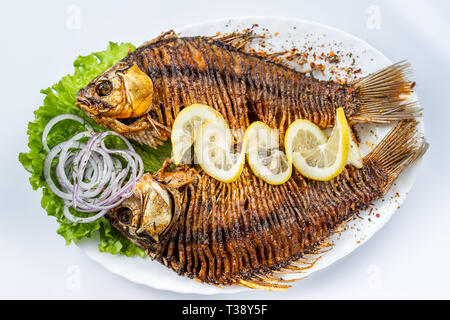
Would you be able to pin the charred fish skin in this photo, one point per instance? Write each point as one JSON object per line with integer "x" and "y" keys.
{"x": 242, "y": 86}
{"x": 248, "y": 232}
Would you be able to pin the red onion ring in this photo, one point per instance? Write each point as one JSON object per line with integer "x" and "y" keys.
{"x": 90, "y": 176}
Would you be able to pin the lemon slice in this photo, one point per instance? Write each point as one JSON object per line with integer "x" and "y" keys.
{"x": 354, "y": 154}
{"x": 213, "y": 152}
{"x": 264, "y": 157}
{"x": 303, "y": 135}
{"x": 186, "y": 125}
{"x": 311, "y": 156}
{"x": 311, "y": 136}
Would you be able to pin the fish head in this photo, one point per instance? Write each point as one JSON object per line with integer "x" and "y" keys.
{"x": 123, "y": 91}
{"x": 143, "y": 217}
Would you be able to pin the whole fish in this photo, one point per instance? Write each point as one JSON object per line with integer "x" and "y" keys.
{"x": 248, "y": 231}
{"x": 142, "y": 94}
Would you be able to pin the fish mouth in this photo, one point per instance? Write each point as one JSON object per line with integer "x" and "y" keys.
{"x": 82, "y": 102}
{"x": 85, "y": 105}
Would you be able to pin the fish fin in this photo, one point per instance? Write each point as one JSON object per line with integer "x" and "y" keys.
{"x": 275, "y": 56}
{"x": 273, "y": 280}
{"x": 238, "y": 40}
{"x": 163, "y": 36}
{"x": 145, "y": 137}
{"x": 255, "y": 283}
{"x": 398, "y": 149}
{"x": 281, "y": 58}
{"x": 149, "y": 132}
{"x": 144, "y": 130}
{"x": 381, "y": 96}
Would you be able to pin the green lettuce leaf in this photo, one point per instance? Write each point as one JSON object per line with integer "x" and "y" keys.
{"x": 60, "y": 98}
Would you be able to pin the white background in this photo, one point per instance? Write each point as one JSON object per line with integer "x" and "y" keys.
{"x": 408, "y": 258}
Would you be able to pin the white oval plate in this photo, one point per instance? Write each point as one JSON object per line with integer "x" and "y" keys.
{"x": 302, "y": 34}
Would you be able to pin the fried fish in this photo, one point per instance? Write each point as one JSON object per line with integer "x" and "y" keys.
{"x": 248, "y": 232}
{"x": 142, "y": 94}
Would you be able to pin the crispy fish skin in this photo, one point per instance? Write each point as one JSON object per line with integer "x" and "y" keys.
{"x": 248, "y": 231}
{"x": 244, "y": 87}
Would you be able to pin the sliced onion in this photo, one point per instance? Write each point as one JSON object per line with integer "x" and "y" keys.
{"x": 57, "y": 119}
{"x": 90, "y": 176}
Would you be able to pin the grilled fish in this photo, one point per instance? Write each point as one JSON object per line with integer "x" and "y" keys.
{"x": 247, "y": 232}
{"x": 142, "y": 94}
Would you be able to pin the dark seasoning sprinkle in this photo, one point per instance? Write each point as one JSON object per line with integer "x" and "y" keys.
{"x": 316, "y": 56}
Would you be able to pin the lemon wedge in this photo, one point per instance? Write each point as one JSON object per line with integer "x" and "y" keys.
{"x": 264, "y": 157}
{"x": 312, "y": 154}
{"x": 213, "y": 152}
{"x": 354, "y": 154}
{"x": 186, "y": 125}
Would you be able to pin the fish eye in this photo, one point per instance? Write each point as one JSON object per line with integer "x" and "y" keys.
{"x": 124, "y": 215}
{"x": 104, "y": 88}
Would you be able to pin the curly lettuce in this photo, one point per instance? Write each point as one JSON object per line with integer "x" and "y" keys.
{"x": 60, "y": 98}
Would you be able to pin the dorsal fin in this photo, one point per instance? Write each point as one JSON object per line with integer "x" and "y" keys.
{"x": 163, "y": 36}
{"x": 238, "y": 39}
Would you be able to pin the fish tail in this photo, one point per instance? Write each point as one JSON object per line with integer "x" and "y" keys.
{"x": 398, "y": 150}
{"x": 381, "y": 96}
